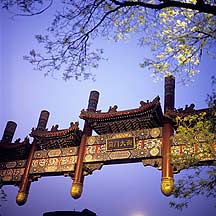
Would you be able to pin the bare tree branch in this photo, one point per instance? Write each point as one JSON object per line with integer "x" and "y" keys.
{"x": 202, "y": 8}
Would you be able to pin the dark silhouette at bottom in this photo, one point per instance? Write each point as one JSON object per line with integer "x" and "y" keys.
{"x": 84, "y": 212}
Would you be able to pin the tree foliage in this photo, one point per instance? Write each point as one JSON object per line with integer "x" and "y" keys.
{"x": 180, "y": 39}
{"x": 200, "y": 182}
{"x": 3, "y": 196}
{"x": 198, "y": 134}
{"x": 177, "y": 31}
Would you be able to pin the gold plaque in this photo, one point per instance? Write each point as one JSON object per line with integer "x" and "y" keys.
{"x": 121, "y": 143}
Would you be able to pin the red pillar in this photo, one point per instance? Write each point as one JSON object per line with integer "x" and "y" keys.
{"x": 25, "y": 182}
{"x": 77, "y": 186}
{"x": 167, "y": 181}
{"x": 169, "y": 91}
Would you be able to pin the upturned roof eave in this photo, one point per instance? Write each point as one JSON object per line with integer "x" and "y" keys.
{"x": 54, "y": 134}
{"x": 104, "y": 116}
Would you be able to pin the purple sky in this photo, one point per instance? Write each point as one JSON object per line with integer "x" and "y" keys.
{"x": 117, "y": 190}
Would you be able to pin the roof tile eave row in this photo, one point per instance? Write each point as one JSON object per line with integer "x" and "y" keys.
{"x": 174, "y": 113}
{"x": 101, "y": 116}
{"x": 54, "y": 134}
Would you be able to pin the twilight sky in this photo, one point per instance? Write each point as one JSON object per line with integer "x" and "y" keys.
{"x": 117, "y": 190}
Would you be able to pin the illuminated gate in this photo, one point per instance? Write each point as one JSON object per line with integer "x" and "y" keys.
{"x": 137, "y": 135}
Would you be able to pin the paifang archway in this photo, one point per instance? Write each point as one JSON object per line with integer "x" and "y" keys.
{"x": 142, "y": 135}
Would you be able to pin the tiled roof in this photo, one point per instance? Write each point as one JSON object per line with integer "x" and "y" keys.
{"x": 57, "y": 138}
{"x": 148, "y": 115}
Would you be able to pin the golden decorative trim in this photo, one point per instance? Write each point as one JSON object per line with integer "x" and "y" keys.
{"x": 51, "y": 168}
{"x": 119, "y": 155}
{"x": 7, "y": 178}
{"x": 76, "y": 190}
{"x": 154, "y": 151}
{"x": 155, "y": 132}
{"x": 21, "y": 198}
{"x": 90, "y": 168}
{"x": 91, "y": 140}
{"x": 156, "y": 162}
{"x": 54, "y": 153}
{"x": 88, "y": 158}
{"x": 167, "y": 186}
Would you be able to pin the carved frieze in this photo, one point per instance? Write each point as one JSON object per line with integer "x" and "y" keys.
{"x": 109, "y": 148}
{"x": 12, "y": 171}
{"x": 53, "y": 164}
{"x": 89, "y": 168}
{"x": 11, "y": 175}
{"x": 54, "y": 160}
{"x": 71, "y": 151}
{"x": 154, "y": 162}
{"x": 128, "y": 145}
{"x": 139, "y": 134}
{"x": 201, "y": 153}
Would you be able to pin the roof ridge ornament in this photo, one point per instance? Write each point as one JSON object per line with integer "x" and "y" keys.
{"x": 113, "y": 109}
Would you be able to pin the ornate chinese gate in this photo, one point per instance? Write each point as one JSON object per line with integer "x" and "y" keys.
{"x": 137, "y": 135}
